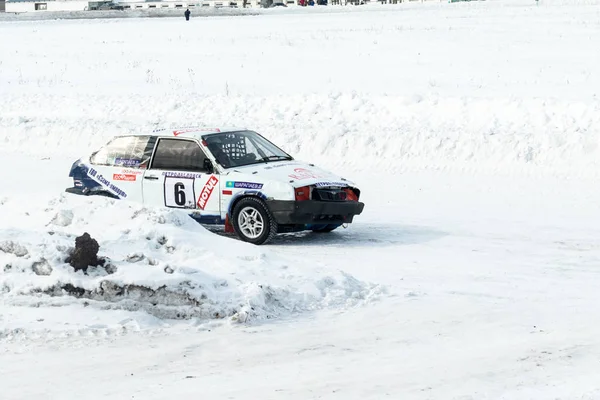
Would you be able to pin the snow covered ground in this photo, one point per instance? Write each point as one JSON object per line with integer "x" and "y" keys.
{"x": 486, "y": 85}
{"x": 473, "y": 130}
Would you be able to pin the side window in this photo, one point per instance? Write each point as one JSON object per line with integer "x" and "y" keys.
{"x": 178, "y": 155}
{"x": 125, "y": 151}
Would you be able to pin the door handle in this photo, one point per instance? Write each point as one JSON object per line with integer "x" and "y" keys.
{"x": 152, "y": 178}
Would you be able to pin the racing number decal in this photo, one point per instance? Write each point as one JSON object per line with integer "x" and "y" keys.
{"x": 179, "y": 192}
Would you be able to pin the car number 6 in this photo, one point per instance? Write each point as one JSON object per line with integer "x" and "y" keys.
{"x": 179, "y": 192}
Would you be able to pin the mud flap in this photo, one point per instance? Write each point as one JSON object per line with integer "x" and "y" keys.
{"x": 228, "y": 226}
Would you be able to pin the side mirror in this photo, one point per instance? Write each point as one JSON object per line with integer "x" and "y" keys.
{"x": 208, "y": 167}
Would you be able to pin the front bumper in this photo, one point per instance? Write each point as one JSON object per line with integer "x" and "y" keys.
{"x": 314, "y": 212}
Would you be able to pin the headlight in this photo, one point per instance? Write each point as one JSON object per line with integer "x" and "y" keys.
{"x": 302, "y": 193}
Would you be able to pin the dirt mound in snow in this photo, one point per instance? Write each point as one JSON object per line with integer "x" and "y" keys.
{"x": 161, "y": 262}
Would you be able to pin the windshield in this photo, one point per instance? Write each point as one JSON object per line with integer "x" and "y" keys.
{"x": 236, "y": 149}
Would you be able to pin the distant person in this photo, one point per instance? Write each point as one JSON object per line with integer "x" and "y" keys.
{"x": 187, "y": 14}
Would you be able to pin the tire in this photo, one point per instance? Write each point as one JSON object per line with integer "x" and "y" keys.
{"x": 326, "y": 228}
{"x": 246, "y": 215}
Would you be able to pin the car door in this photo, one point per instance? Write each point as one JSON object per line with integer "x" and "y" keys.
{"x": 119, "y": 166}
{"x": 178, "y": 178}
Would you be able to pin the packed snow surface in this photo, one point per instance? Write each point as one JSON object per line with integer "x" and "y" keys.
{"x": 498, "y": 86}
{"x": 472, "y": 129}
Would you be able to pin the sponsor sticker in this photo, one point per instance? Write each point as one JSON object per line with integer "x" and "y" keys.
{"x": 243, "y": 185}
{"x": 303, "y": 173}
{"x": 325, "y": 184}
{"x": 127, "y": 162}
{"x": 92, "y": 173}
{"x": 188, "y": 130}
{"x": 186, "y": 175}
{"x": 207, "y": 191}
{"x": 227, "y": 192}
{"x": 124, "y": 177}
{"x": 281, "y": 165}
{"x": 132, "y": 171}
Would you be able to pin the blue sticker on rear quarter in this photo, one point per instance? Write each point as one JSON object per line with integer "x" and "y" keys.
{"x": 127, "y": 162}
{"x": 244, "y": 185}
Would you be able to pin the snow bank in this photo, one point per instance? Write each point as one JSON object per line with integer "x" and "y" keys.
{"x": 160, "y": 262}
{"x": 494, "y": 86}
{"x": 354, "y": 131}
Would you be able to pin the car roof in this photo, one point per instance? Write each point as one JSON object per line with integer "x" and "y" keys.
{"x": 194, "y": 132}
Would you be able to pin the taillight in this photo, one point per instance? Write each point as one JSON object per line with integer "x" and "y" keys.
{"x": 350, "y": 195}
{"x": 302, "y": 193}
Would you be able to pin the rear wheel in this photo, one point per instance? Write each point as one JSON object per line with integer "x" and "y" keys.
{"x": 252, "y": 221}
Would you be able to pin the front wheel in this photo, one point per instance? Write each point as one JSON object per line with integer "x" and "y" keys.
{"x": 253, "y": 222}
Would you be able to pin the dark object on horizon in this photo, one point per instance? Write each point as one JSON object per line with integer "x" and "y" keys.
{"x": 187, "y": 14}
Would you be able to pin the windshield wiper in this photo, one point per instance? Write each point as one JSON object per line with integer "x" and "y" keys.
{"x": 275, "y": 157}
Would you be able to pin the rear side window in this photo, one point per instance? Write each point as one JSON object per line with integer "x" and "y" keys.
{"x": 125, "y": 151}
{"x": 178, "y": 155}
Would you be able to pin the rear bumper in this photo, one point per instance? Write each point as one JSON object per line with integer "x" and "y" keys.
{"x": 87, "y": 192}
{"x": 314, "y": 212}
{"x": 74, "y": 190}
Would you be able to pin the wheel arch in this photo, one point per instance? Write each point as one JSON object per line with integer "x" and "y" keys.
{"x": 241, "y": 195}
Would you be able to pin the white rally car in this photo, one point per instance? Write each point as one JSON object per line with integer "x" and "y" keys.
{"x": 233, "y": 177}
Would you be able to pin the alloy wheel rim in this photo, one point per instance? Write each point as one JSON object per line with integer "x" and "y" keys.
{"x": 251, "y": 222}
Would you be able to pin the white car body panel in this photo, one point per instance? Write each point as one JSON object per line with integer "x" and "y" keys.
{"x": 125, "y": 183}
{"x": 296, "y": 173}
{"x": 177, "y": 189}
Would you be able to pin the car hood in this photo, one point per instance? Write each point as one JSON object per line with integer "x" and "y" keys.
{"x": 297, "y": 173}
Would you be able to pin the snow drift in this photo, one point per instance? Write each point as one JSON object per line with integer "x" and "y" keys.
{"x": 354, "y": 131}
{"x": 160, "y": 262}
